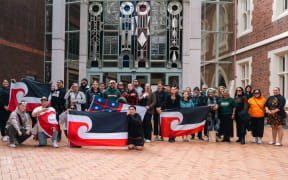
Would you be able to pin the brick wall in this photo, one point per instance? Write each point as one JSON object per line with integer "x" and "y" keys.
{"x": 22, "y": 38}
{"x": 263, "y": 27}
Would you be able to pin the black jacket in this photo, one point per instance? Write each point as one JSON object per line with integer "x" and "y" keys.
{"x": 57, "y": 100}
{"x": 161, "y": 98}
{"x": 173, "y": 104}
{"x": 135, "y": 126}
{"x": 89, "y": 96}
{"x": 281, "y": 105}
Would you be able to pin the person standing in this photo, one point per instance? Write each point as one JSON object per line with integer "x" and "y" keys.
{"x": 241, "y": 114}
{"x": 121, "y": 88}
{"x": 75, "y": 97}
{"x": 161, "y": 96}
{"x": 185, "y": 102}
{"x": 196, "y": 101}
{"x": 227, "y": 109}
{"x": 41, "y": 135}
{"x": 248, "y": 92}
{"x": 131, "y": 96}
{"x": 148, "y": 99}
{"x": 257, "y": 112}
{"x": 58, "y": 101}
{"x": 4, "y": 112}
{"x": 18, "y": 125}
{"x": 137, "y": 87}
{"x": 111, "y": 92}
{"x": 91, "y": 93}
{"x": 212, "y": 101}
{"x": 84, "y": 85}
{"x": 276, "y": 115}
{"x": 102, "y": 87}
{"x": 135, "y": 130}
{"x": 173, "y": 102}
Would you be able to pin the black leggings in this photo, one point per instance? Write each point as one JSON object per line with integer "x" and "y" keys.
{"x": 147, "y": 126}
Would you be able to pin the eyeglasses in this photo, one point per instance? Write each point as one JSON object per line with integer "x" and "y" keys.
{"x": 257, "y": 93}
{"x": 239, "y": 90}
{"x": 43, "y": 99}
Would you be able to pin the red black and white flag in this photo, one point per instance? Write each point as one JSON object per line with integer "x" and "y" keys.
{"x": 47, "y": 121}
{"x": 183, "y": 121}
{"x": 30, "y": 91}
{"x": 97, "y": 129}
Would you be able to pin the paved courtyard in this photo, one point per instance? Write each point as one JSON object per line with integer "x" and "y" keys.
{"x": 159, "y": 160}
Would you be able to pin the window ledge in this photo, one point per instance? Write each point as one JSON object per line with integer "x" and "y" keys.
{"x": 247, "y": 31}
{"x": 283, "y": 14}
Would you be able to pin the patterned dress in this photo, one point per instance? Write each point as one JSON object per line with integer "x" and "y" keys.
{"x": 275, "y": 119}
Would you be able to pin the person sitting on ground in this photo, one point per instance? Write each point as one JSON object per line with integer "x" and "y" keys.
{"x": 135, "y": 130}
{"x": 41, "y": 135}
{"x": 18, "y": 125}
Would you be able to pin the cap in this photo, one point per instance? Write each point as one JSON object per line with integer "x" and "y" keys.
{"x": 112, "y": 81}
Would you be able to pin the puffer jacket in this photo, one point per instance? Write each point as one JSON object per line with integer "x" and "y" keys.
{"x": 15, "y": 121}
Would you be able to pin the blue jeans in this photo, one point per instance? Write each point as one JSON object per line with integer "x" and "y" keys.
{"x": 43, "y": 138}
{"x": 213, "y": 125}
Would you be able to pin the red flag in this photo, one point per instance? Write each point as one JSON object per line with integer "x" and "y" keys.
{"x": 47, "y": 120}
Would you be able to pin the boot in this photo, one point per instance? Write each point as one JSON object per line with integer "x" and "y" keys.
{"x": 243, "y": 140}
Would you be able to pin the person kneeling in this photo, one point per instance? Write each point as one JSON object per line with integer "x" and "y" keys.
{"x": 135, "y": 130}
{"x": 18, "y": 126}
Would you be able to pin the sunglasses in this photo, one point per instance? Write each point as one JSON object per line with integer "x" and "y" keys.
{"x": 257, "y": 93}
{"x": 43, "y": 99}
{"x": 22, "y": 103}
{"x": 239, "y": 90}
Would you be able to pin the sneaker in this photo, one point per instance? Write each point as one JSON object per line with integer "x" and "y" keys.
{"x": 156, "y": 138}
{"x": 255, "y": 140}
{"x": 12, "y": 145}
{"x": 201, "y": 139}
{"x": 260, "y": 141}
{"x": 147, "y": 141}
{"x": 5, "y": 138}
{"x": 278, "y": 144}
{"x": 54, "y": 144}
{"x": 161, "y": 138}
{"x": 271, "y": 143}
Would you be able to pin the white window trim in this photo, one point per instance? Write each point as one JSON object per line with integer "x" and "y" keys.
{"x": 274, "y": 67}
{"x": 275, "y": 15}
{"x": 239, "y": 16}
{"x": 239, "y": 70}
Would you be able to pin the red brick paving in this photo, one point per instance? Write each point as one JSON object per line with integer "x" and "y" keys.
{"x": 159, "y": 160}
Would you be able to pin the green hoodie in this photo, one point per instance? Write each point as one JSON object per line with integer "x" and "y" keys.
{"x": 112, "y": 94}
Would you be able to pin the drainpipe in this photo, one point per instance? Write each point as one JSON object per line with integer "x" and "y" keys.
{"x": 235, "y": 39}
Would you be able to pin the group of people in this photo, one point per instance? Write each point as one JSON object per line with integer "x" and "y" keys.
{"x": 248, "y": 108}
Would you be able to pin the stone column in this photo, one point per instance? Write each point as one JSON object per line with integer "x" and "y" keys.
{"x": 58, "y": 41}
{"x": 83, "y": 44}
{"x": 191, "y": 43}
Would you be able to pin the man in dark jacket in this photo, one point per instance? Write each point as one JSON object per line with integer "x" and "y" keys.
{"x": 161, "y": 97}
{"x": 111, "y": 92}
{"x": 84, "y": 85}
{"x": 4, "y": 112}
{"x": 58, "y": 101}
{"x": 93, "y": 91}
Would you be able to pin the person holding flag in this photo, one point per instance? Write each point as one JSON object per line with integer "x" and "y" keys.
{"x": 47, "y": 124}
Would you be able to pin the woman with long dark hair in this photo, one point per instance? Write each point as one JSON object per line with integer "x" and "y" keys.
{"x": 241, "y": 121}
{"x": 173, "y": 102}
{"x": 276, "y": 115}
{"x": 248, "y": 92}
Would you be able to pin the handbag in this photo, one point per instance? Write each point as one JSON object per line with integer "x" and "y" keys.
{"x": 265, "y": 114}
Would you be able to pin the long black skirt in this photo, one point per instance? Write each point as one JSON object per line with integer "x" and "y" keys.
{"x": 227, "y": 125}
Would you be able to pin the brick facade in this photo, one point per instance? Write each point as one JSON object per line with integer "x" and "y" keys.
{"x": 263, "y": 28}
{"x": 22, "y": 26}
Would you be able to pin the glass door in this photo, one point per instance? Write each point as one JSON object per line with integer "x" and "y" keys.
{"x": 174, "y": 80}
{"x": 142, "y": 79}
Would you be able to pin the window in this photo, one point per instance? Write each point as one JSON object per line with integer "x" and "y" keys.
{"x": 279, "y": 70}
{"x": 245, "y": 8}
{"x": 280, "y": 9}
{"x": 283, "y": 74}
{"x": 243, "y": 72}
